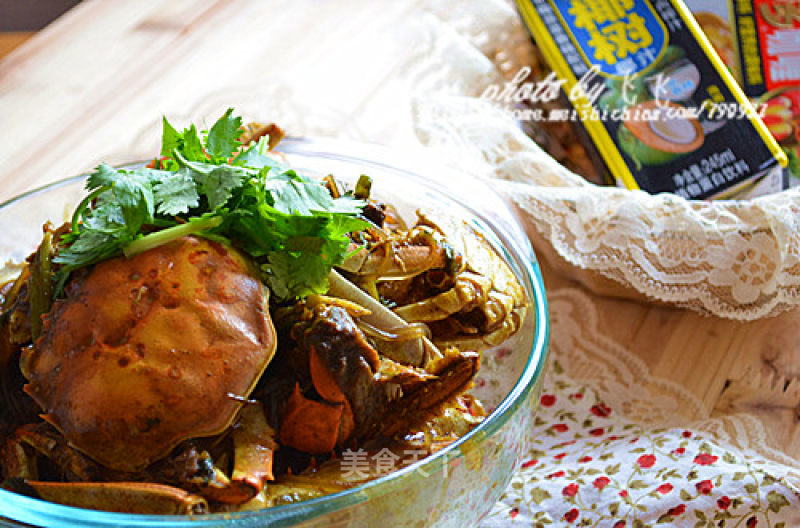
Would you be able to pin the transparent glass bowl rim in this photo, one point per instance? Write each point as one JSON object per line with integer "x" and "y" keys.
{"x": 19, "y": 508}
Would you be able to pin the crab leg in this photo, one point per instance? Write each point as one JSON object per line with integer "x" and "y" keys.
{"x": 16, "y": 462}
{"x": 54, "y": 447}
{"x": 125, "y": 497}
{"x": 453, "y": 375}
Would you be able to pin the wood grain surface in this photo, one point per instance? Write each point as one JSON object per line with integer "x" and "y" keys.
{"x": 12, "y": 40}
{"x": 93, "y": 85}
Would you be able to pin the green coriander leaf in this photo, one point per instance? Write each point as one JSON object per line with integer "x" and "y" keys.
{"x": 219, "y": 184}
{"x": 254, "y": 158}
{"x": 134, "y": 193}
{"x": 176, "y": 193}
{"x": 293, "y": 194}
{"x": 171, "y": 139}
{"x": 277, "y": 274}
{"x": 90, "y": 247}
{"x": 347, "y": 205}
{"x": 321, "y": 200}
{"x": 197, "y": 167}
{"x": 104, "y": 175}
{"x": 107, "y": 218}
{"x": 318, "y": 197}
{"x": 223, "y": 138}
{"x": 202, "y": 168}
{"x": 192, "y": 147}
{"x": 311, "y": 244}
{"x": 289, "y": 197}
{"x": 339, "y": 226}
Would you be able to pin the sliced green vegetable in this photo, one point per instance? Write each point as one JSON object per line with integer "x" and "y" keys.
{"x": 41, "y": 285}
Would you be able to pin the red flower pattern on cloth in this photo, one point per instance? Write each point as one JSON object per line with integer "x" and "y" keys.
{"x": 570, "y": 490}
{"x": 704, "y": 487}
{"x": 677, "y": 511}
{"x": 705, "y": 459}
{"x": 601, "y": 482}
{"x": 664, "y": 488}
{"x": 601, "y": 409}
{"x": 587, "y": 466}
{"x": 646, "y": 461}
{"x": 547, "y": 400}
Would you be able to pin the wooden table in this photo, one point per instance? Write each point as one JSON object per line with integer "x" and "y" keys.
{"x": 11, "y": 40}
{"x": 93, "y": 86}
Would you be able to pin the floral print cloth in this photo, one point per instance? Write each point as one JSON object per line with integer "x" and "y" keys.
{"x": 589, "y": 466}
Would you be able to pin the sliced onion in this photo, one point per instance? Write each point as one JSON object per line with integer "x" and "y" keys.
{"x": 400, "y": 333}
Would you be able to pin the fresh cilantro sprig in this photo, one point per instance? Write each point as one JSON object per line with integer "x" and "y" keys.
{"x": 208, "y": 184}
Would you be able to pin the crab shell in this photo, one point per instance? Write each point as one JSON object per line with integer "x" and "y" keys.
{"x": 149, "y": 351}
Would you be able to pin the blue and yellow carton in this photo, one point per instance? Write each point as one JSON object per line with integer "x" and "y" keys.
{"x": 660, "y": 107}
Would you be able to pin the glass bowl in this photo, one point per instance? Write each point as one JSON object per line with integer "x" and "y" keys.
{"x": 454, "y": 487}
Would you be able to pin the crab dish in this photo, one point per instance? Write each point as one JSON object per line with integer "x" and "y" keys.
{"x": 214, "y": 332}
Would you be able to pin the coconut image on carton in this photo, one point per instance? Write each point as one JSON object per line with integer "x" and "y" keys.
{"x": 658, "y": 128}
{"x": 658, "y": 132}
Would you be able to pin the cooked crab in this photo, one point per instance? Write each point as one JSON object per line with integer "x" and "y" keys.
{"x": 164, "y": 387}
{"x": 148, "y": 352}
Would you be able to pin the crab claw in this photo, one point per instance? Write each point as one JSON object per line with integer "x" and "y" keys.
{"x": 454, "y": 373}
{"x": 21, "y": 448}
{"x": 124, "y": 497}
{"x": 16, "y": 461}
{"x": 253, "y": 448}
